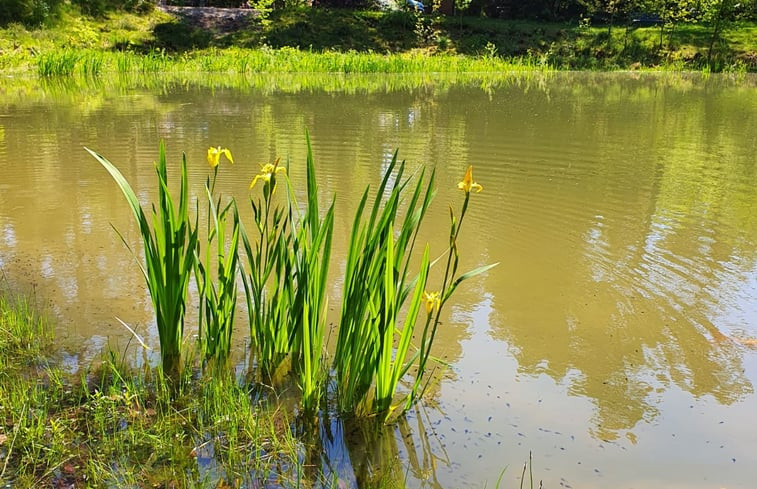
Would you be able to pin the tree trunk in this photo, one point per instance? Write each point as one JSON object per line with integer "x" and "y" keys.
{"x": 717, "y": 28}
{"x": 447, "y": 7}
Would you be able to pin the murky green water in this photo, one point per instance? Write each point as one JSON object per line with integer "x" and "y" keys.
{"x": 617, "y": 340}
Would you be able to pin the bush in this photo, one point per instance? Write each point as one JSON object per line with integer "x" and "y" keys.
{"x": 98, "y": 8}
{"x": 208, "y": 3}
{"x": 28, "y": 12}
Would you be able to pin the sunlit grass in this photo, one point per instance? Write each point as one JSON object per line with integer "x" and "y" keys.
{"x": 236, "y": 61}
{"x": 118, "y": 426}
{"x": 113, "y": 425}
{"x": 24, "y": 332}
{"x": 249, "y": 62}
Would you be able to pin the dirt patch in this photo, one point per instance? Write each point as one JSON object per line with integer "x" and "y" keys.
{"x": 221, "y": 20}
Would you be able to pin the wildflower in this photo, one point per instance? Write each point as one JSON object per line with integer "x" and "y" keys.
{"x": 214, "y": 156}
{"x": 266, "y": 171}
{"x": 467, "y": 184}
{"x": 432, "y": 300}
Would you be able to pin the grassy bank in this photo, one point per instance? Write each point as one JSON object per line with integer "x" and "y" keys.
{"x": 117, "y": 427}
{"x": 320, "y": 40}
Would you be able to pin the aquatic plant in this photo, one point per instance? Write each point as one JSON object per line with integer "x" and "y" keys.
{"x": 372, "y": 350}
{"x": 217, "y": 293}
{"x": 312, "y": 254}
{"x": 285, "y": 278}
{"x": 267, "y": 273}
{"x": 169, "y": 248}
{"x": 377, "y": 285}
{"x": 435, "y": 301}
{"x": 284, "y": 272}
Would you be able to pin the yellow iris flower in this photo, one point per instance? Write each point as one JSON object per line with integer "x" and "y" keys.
{"x": 266, "y": 171}
{"x": 432, "y": 300}
{"x": 214, "y": 156}
{"x": 468, "y": 184}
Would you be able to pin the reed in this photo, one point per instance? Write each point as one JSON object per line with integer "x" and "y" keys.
{"x": 58, "y": 63}
{"x": 169, "y": 248}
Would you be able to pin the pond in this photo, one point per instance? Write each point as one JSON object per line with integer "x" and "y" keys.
{"x": 617, "y": 338}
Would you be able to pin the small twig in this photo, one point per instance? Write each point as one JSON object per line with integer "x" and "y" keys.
{"x": 52, "y": 469}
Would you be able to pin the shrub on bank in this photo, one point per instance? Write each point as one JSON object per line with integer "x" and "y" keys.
{"x": 98, "y": 8}
{"x": 28, "y": 12}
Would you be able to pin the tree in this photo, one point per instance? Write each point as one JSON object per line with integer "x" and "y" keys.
{"x": 719, "y": 13}
{"x": 29, "y": 12}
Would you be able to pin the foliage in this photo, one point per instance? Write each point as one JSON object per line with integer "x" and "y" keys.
{"x": 602, "y": 10}
{"x": 207, "y": 3}
{"x": 217, "y": 298}
{"x": 377, "y": 285}
{"x": 352, "y": 41}
{"x": 28, "y": 12}
{"x": 169, "y": 249}
{"x": 720, "y": 14}
{"x": 285, "y": 279}
{"x": 98, "y": 8}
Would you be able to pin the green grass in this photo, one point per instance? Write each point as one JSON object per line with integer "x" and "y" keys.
{"x": 321, "y": 40}
{"x": 25, "y": 335}
{"x": 115, "y": 426}
{"x": 234, "y": 61}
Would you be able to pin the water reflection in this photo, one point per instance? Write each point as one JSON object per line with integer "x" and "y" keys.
{"x": 622, "y": 210}
{"x": 361, "y": 453}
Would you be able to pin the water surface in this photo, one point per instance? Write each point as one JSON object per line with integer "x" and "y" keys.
{"x": 616, "y": 340}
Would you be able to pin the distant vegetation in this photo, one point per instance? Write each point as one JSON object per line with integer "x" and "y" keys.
{"x": 715, "y": 35}
{"x": 670, "y": 12}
